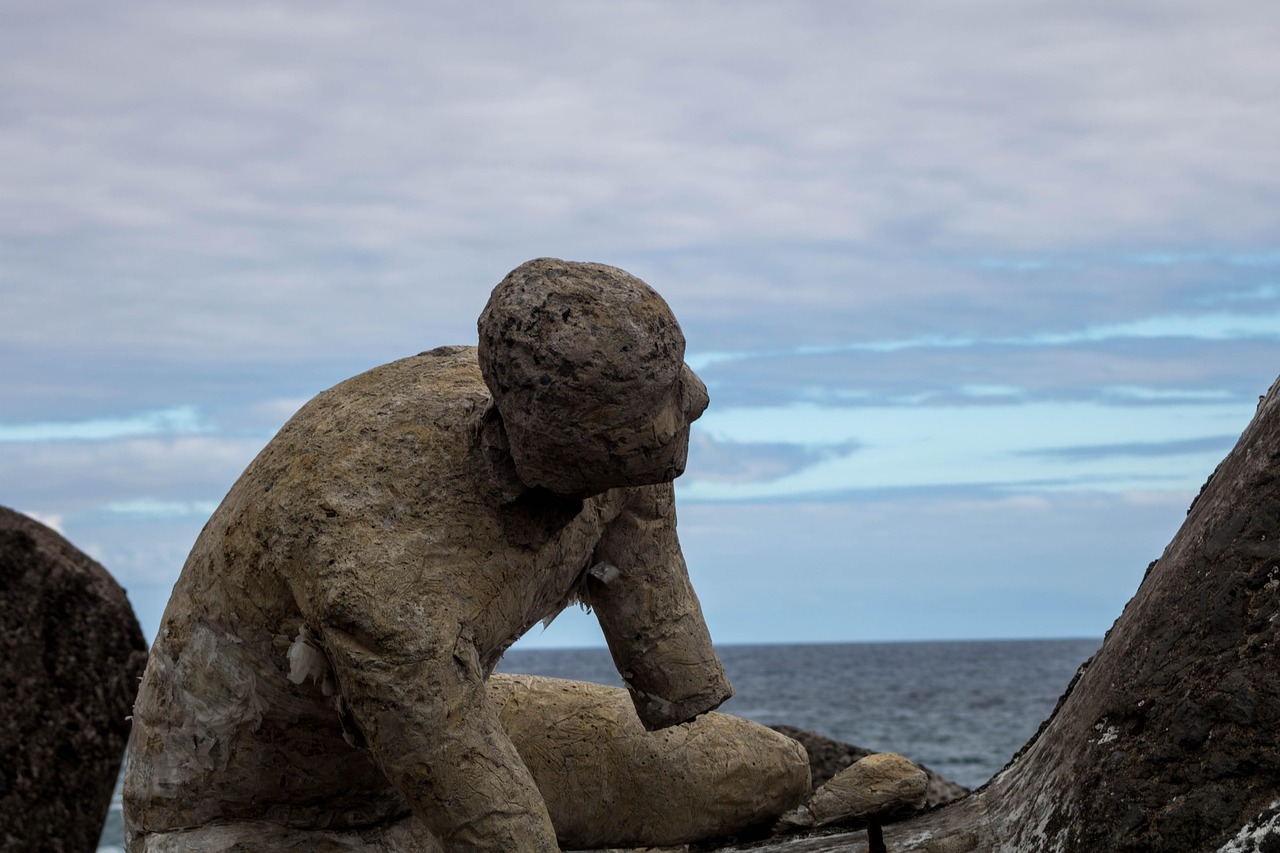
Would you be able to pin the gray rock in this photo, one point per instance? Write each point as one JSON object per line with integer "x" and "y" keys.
{"x": 827, "y": 757}
{"x": 71, "y": 654}
{"x": 876, "y": 787}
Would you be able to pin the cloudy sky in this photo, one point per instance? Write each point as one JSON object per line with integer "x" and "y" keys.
{"x": 982, "y": 291}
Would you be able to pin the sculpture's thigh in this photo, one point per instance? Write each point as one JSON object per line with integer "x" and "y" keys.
{"x": 609, "y": 783}
{"x": 405, "y": 835}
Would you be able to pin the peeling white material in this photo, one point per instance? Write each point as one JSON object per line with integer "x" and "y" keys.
{"x": 1250, "y": 838}
{"x": 220, "y": 699}
{"x": 308, "y": 660}
{"x": 606, "y": 573}
{"x": 653, "y": 702}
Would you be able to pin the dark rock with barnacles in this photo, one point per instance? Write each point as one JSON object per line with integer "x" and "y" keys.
{"x": 1167, "y": 740}
{"x": 71, "y": 654}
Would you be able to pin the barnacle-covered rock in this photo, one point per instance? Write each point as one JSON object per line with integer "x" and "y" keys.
{"x": 71, "y": 653}
{"x": 1166, "y": 739}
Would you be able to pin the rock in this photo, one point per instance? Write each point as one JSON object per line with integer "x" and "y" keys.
{"x": 71, "y": 654}
{"x": 877, "y": 787}
{"x": 1167, "y": 739}
{"x": 828, "y": 757}
{"x": 609, "y": 782}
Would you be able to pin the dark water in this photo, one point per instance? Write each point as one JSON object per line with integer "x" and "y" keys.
{"x": 961, "y": 708}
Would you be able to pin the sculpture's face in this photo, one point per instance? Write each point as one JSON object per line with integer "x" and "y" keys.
{"x": 651, "y": 447}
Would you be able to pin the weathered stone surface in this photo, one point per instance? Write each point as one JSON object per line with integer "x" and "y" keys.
{"x": 71, "y": 653}
{"x": 609, "y": 782}
{"x": 1166, "y": 741}
{"x": 606, "y": 780}
{"x": 880, "y": 786}
{"x": 827, "y": 757}
{"x": 577, "y": 353}
{"x": 322, "y": 661}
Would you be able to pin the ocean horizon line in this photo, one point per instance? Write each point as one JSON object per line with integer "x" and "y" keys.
{"x": 887, "y": 642}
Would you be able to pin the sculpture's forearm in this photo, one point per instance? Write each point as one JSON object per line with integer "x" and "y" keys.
{"x": 433, "y": 732}
{"x": 650, "y": 615}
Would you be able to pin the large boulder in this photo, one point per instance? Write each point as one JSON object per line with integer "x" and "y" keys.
{"x": 1166, "y": 741}
{"x": 71, "y": 654}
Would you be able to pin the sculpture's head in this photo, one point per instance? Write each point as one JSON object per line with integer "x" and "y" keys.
{"x": 586, "y": 366}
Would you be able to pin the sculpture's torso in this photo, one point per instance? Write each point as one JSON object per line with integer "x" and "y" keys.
{"x": 384, "y": 469}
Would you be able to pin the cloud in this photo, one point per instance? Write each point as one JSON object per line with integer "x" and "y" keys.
{"x": 1013, "y": 447}
{"x": 152, "y": 508}
{"x": 259, "y": 417}
{"x": 53, "y": 522}
{"x": 1191, "y": 358}
{"x": 989, "y": 251}
{"x": 75, "y": 478}
{"x": 382, "y": 166}
{"x": 178, "y": 420}
{"x": 757, "y": 462}
{"x": 1218, "y": 444}
{"x": 1203, "y": 327}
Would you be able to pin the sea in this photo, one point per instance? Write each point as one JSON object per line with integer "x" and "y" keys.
{"x": 962, "y": 709}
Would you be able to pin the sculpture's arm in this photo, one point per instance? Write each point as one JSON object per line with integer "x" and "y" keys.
{"x": 410, "y": 678}
{"x": 640, "y": 591}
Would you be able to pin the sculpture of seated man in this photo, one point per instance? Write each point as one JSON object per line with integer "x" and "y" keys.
{"x": 319, "y": 678}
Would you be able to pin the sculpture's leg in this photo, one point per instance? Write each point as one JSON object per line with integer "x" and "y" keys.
{"x": 608, "y": 782}
{"x": 650, "y": 615}
{"x": 1168, "y": 739}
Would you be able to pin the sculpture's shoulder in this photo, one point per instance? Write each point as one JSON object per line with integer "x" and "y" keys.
{"x": 386, "y": 445}
{"x": 417, "y": 414}
{"x": 439, "y": 391}
{"x": 436, "y": 380}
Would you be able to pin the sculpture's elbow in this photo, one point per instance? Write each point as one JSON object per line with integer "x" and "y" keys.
{"x": 678, "y": 700}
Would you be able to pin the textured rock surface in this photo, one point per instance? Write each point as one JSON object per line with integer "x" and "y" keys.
{"x": 1167, "y": 741}
{"x": 71, "y": 653}
{"x": 882, "y": 785}
{"x": 605, "y": 778}
{"x": 572, "y": 352}
{"x": 828, "y": 757}
{"x": 323, "y": 658}
{"x": 609, "y": 782}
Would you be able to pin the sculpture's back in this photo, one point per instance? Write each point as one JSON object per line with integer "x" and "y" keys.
{"x": 221, "y": 730}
